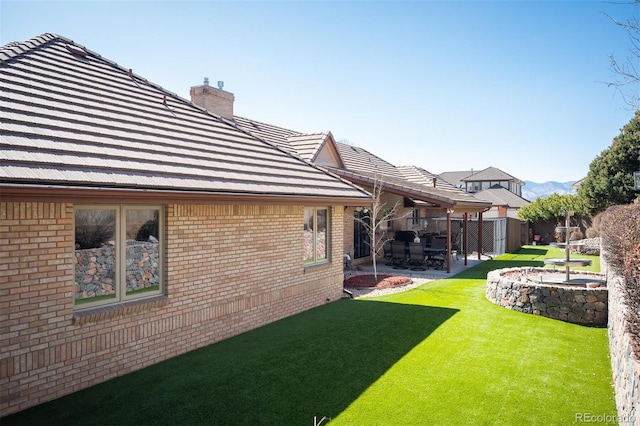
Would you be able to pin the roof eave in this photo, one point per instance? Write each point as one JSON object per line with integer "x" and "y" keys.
{"x": 438, "y": 201}
{"x": 83, "y": 194}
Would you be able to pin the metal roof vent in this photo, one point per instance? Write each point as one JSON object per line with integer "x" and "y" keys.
{"x": 206, "y": 81}
{"x": 220, "y": 84}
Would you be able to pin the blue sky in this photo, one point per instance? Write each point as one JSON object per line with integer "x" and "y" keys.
{"x": 448, "y": 85}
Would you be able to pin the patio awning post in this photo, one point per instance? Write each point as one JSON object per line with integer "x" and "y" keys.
{"x": 480, "y": 236}
{"x": 465, "y": 218}
{"x": 449, "y": 211}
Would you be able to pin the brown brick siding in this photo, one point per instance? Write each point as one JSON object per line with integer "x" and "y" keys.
{"x": 348, "y": 230}
{"x": 228, "y": 269}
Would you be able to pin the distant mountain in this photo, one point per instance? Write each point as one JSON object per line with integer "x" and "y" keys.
{"x": 533, "y": 190}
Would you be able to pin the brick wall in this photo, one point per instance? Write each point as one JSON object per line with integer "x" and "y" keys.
{"x": 228, "y": 269}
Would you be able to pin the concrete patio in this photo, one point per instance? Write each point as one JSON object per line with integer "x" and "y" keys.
{"x": 430, "y": 273}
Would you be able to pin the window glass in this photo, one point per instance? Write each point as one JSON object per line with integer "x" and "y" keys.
{"x": 321, "y": 234}
{"x": 316, "y": 235}
{"x": 309, "y": 226}
{"x": 416, "y": 217}
{"x": 142, "y": 255}
{"x": 117, "y": 253}
{"x": 96, "y": 259}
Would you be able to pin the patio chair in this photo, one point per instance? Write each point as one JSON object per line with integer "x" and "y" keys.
{"x": 416, "y": 256}
{"x": 438, "y": 259}
{"x": 398, "y": 255}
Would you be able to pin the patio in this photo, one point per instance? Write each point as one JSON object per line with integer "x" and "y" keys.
{"x": 457, "y": 266}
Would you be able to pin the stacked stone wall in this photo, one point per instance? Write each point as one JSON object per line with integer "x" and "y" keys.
{"x": 574, "y": 304}
{"x": 95, "y": 268}
{"x": 624, "y": 365}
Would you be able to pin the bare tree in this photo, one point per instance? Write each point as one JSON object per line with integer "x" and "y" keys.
{"x": 374, "y": 218}
{"x": 628, "y": 78}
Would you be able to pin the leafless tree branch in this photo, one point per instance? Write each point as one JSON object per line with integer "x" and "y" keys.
{"x": 376, "y": 217}
{"x": 627, "y": 82}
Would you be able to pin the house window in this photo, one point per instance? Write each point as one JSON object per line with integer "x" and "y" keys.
{"x": 118, "y": 253}
{"x": 361, "y": 238}
{"x": 416, "y": 217}
{"x": 316, "y": 235}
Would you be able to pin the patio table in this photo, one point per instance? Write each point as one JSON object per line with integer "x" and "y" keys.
{"x": 435, "y": 256}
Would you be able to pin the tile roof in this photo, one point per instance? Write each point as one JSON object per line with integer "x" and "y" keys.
{"x": 360, "y": 162}
{"x": 501, "y": 196}
{"x": 490, "y": 174}
{"x": 71, "y": 118}
{"x": 418, "y": 192}
{"x": 358, "y": 159}
{"x": 422, "y": 176}
{"x": 485, "y": 175}
{"x": 363, "y": 168}
{"x": 455, "y": 178}
{"x": 270, "y": 133}
{"x": 307, "y": 145}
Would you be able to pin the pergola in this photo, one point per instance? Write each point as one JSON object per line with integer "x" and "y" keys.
{"x": 449, "y": 202}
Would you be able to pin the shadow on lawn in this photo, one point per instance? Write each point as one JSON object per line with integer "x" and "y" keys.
{"x": 312, "y": 364}
{"x": 532, "y": 251}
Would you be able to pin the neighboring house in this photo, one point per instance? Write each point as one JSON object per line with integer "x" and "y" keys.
{"x": 577, "y": 184}
{"x": 420, "y": 200}
{"x": 504, "y": 192}
{"x": 504, "y": 202}
{"x": 472, "y": 181}
{"x": 136, "y": 226}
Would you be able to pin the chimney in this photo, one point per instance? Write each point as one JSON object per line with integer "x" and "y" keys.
{"x": 213, "y": 100}
{"x": 435, "y": 180}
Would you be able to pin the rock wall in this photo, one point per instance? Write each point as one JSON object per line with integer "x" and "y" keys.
{"x": 574, "y": 304}
{"x": 95, "y": 269}
{"x": 625, "y": 367}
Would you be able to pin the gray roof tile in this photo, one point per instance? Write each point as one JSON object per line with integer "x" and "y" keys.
{"x": 362, "y": 167}
{"x": 83, "y": 120}
{"x": 500, "y": 196}
{"x": 490, "y": 174}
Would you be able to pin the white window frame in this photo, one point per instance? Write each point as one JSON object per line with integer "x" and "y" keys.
{"x": 121, "y": 253}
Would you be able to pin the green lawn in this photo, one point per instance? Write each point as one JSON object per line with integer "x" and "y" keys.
{"x": 439, "y": 354}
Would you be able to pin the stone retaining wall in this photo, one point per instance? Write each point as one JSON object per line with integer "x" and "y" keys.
{"x": 574, "y": 304}
{"x": 625, "y": 368}
{"x": 95, "y": 269}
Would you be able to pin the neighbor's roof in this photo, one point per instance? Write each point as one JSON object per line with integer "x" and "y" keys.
{"x": 501, "y": 196}
{"x": 455, "y": 177}
{"x": 490, "y": 174}
{"x": 73, "y": 119}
